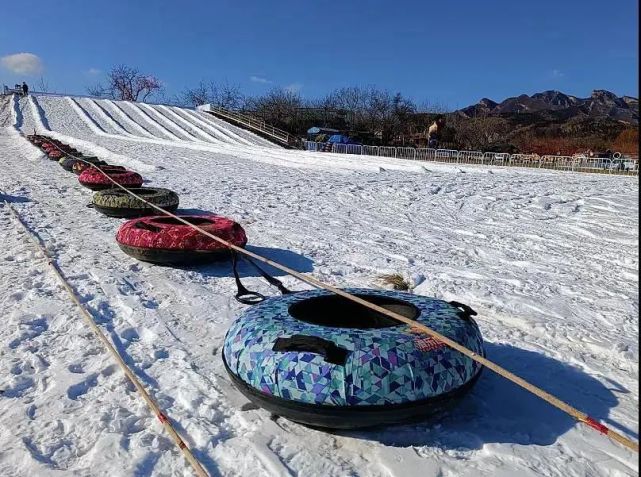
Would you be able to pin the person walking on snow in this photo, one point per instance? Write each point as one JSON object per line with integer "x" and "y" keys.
{"x": 25, "y": 89}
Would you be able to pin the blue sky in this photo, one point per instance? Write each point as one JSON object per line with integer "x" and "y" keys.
{"x": 448, "y": 52}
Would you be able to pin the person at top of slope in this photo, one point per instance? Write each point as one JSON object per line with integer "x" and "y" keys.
{"x": 25, "y": 89}
{"x": 434, "y": 130}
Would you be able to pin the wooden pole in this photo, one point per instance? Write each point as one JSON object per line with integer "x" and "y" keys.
{"x": 162, "y": 417}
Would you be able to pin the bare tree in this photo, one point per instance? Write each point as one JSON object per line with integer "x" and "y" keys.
{"x": 128, "y": 84}
{"x": 223, "y": 95}
{"x": 478, "y": 133}
{"x": 353, "y": 98}
{"x": 43, "y": 85}
{"x": 431, "y": 107}
{"x": 278, "y": 106}
{"x": 196, "y": 96}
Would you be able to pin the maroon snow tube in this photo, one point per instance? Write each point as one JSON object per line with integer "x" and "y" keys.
{"x": 55, "y": 154}
{"x": 57, "y": 147}
{"x": 96, "y": 180}
{"x": 165, "y": 240}
{"x": 80, "y": 166}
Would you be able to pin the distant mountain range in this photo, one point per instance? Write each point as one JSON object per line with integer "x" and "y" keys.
{"x": 555, "y": 105}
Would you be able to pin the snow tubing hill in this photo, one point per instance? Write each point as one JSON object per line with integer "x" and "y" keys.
{"x": 118, "y": 203}
{"x": 319, "y": 359}
{"x": 94, "y": 179}
{"x": 165, "y": 240}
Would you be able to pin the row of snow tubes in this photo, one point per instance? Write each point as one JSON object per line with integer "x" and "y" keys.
{"x": 147, "y": 236}
{"x": 312, "y": 356}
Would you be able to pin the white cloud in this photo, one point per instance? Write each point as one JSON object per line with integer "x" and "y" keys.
{"x": 557, "y": 74}
{"x": 94, "y": 71}
{"x": 23, "y": 63}
{"x": 293, "y": 88}
{"x": 259, "y": 79}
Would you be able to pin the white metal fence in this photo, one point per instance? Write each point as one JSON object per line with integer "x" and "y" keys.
{"x": 618, "y": 165}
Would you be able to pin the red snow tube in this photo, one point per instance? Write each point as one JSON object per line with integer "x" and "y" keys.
{"x": 165, "y": 240}
{"x": 51, "y": 146}
{"x": 108, "y": 168}
{"x": 80, "y": 166}
{"x": 55, "y": 154}
{"x": 96, "y": 180}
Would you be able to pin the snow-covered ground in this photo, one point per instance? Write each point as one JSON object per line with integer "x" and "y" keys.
{"x": 548, "y": 259}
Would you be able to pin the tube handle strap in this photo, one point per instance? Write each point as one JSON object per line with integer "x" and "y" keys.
{"x": 145, "y": 226}
{"x": 465, "y": 311}
{"x": 313, "y": 344}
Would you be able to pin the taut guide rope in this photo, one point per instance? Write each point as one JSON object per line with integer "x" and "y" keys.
{"x": 549, "y": 398}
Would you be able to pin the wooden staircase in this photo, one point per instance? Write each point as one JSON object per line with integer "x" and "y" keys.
{"x": 255, "y": 125}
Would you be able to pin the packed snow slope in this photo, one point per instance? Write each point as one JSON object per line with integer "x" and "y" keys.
{"x": 548, "y": 259}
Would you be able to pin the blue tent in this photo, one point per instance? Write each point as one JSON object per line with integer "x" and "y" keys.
{"x": 341, "y": 139}
{"x": 317, "y": 130}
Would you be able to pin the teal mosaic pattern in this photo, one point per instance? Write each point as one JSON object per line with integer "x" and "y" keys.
{"x": 385, "y": 365}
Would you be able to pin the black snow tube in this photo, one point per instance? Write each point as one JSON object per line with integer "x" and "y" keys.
{"x": 67, "y": 163}
{"x": 118, "y": 203}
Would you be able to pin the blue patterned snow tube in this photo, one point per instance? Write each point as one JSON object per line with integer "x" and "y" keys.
{"x": 322, "y": 360}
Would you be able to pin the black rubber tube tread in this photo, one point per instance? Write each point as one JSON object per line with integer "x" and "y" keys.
{"x": 67, "y": 163}
{"x": 131, "y": 212}
{"x": 161, "y": 256}
{"x": 97, "y": 187}
{"x": 352, "y": 417}
{"x": 118, "y": 199}
{"x": 92, "y": 160}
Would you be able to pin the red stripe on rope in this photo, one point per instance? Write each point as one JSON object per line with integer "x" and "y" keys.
{"x": 597, "y": 425}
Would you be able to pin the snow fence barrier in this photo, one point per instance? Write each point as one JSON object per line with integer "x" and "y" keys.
{"x": 618, "y": 164}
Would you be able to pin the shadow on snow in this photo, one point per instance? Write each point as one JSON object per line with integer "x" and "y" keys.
{"x": 223, "y": 268}
{"x": 14, "y": 199}
{"x": 498, "y": 411}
